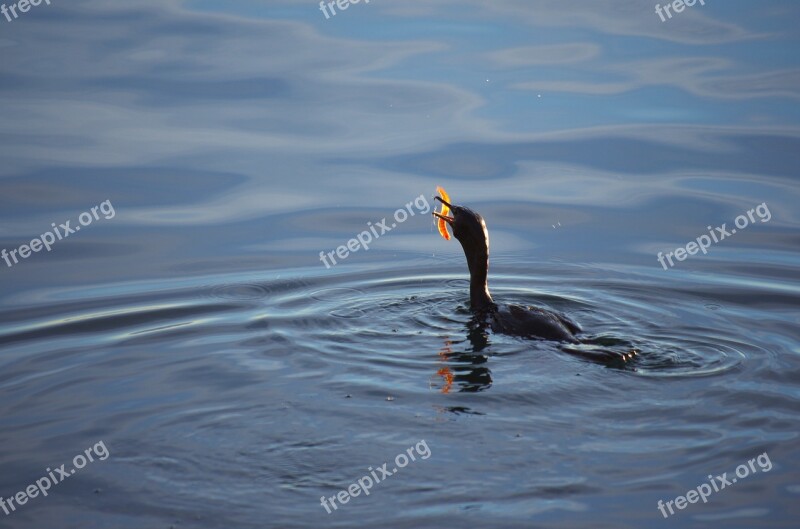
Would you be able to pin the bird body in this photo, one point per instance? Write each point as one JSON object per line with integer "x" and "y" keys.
{"x": 470, "y": 230}
{"x": 531, "y": 322}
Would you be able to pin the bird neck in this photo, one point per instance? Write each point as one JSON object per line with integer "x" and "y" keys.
{"x": 479, "y": 295}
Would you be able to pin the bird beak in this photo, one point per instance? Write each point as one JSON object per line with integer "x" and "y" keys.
{"x": 443, "y": 202}
{"x": 445, "y": 218}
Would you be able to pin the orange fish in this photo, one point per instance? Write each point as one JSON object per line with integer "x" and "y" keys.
{"x": 442, "y": 215}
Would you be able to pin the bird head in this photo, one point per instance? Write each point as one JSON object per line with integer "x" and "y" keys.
{"x": 468, "y": 227}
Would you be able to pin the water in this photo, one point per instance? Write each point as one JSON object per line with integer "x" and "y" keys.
{"x": 235, "y": 379}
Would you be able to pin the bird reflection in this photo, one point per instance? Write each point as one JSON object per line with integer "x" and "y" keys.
{"x": 465, "y": 371}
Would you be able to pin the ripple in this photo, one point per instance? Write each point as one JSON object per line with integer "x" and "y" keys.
{"x": 110, "y": 321}
{"x": 665, "y": 359}
{"x": 241, "y": 291}
{"x": 617, "y": 315}
{"x": 335, "y": 294}
{"x": 348, "y": 313}
{"x": 331, "y": 348}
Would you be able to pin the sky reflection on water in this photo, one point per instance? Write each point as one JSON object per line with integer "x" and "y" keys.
{"x": 239, "y": 139}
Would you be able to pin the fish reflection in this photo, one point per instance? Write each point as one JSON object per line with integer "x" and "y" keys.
{"x": 466, "y": 371}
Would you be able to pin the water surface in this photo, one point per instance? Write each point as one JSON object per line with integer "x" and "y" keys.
{"x": 235, "y": 379}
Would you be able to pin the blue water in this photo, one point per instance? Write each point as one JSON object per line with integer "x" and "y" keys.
{"x": 192, "y": 327}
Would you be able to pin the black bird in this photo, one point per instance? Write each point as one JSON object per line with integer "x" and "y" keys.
{"x": 470, "y": 230}
{"x": 530, "y": 322}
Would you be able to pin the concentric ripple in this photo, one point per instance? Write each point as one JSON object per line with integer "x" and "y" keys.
{"x": 240, "y": 291}
{"x": 617, "y": 315}
{"x": 365, "y": 316}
